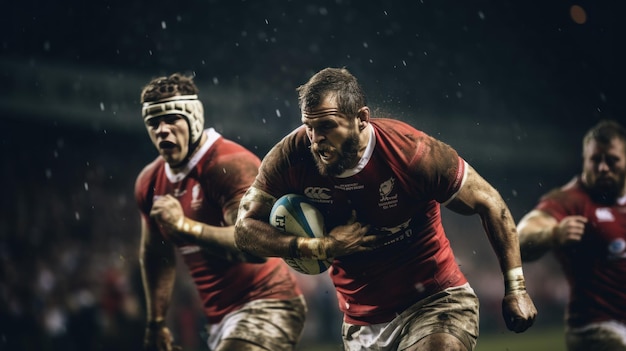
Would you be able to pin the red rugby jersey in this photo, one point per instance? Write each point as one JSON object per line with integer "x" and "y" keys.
{"x": 220, "y": 171}
{"x": 398, "y": 193}
{"x": 596, "y": 266}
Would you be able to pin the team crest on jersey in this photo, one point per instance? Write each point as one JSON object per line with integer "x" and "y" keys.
{"x": 386, "y": 199}
{"x": 196, "y": 197}
{"x": 617, "y": 249}
{"x": 604, "y": 214}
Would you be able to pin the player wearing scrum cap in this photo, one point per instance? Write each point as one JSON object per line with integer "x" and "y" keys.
{"x": 188, "y": 199}
{"x": 396, "y": 277}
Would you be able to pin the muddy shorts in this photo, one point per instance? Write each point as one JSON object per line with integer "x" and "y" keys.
{"x": 273, "y": 324}
{"x": 453, "y": 311}
{"x": 601, "y": 336}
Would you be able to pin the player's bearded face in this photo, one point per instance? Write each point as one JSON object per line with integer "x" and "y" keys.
{"x": 333, "y": 160}
{"x": 604, "y": 170}
{"x": 170, "y": 135}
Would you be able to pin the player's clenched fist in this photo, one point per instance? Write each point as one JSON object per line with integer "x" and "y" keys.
{"x": 570, "y": 230}
{"x": 519, "y": 311}
{"x": 168, "y": 212}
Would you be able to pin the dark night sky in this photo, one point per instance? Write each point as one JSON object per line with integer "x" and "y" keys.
{"x": 414, "y": 53}
{"x": 513, "y": 86}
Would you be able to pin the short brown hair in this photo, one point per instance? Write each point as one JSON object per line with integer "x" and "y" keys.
{"x": 604, "y": 132}
{"x": 164, "y": 87}
{"x": 337, "y": 81}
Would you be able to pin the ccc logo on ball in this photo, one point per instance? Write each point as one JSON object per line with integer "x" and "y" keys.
{"x": 317, "y": 193}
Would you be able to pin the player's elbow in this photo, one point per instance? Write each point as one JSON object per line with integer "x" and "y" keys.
{"x": 242, "y": 240}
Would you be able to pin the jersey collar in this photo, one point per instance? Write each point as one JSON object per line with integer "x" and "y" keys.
{"x": 367, "y": 154}
{"x": 193, "y": 161}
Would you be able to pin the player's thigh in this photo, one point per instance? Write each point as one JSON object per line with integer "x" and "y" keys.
{"x": 446, "y": 318}
{"x": 438, "y": 342}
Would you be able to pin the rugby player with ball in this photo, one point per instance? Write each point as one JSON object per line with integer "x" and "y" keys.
{"x": 379, "y": 184}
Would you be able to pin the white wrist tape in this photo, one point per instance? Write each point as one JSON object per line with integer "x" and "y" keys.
{"x": 514, "y": 273}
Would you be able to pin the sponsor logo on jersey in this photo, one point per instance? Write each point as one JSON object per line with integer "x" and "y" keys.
{"x": 189, "y": 249}
{"x": 395, "y": 234}
{"x": 350, "y": 186}
{"x": 318, "y": 194}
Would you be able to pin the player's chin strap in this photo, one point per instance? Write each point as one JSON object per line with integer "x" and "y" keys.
{"x": 187, "y": 106}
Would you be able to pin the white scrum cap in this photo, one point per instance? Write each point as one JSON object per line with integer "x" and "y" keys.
{"x": 186, "y": 105}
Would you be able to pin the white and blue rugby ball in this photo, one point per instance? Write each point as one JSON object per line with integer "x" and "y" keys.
{"x": 295, "y": 214}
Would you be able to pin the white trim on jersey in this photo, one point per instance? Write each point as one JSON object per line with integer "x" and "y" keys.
{"x": 465, "y": 170}
{"x": 212, "y": 135}
{"x": 367, "y": 154}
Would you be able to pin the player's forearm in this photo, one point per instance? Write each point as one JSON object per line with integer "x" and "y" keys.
{"x": 536, "y": 235}
{"x": 261, "y": 239}
{"x": 219, "y": 241}
{"x": 158, "y": 275}
{"x": 536, "y": 244}
{"x": 502, "y": 234}
{"x": 207, "y": 235}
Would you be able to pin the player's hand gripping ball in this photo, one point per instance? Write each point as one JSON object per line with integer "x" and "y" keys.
{"x": 295, "y": 214}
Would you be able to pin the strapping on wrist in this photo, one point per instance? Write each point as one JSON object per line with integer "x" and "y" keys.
{"x": 514, "y": 282}
{"x": 190, "y": 226}
{"x": 312, "y": 248}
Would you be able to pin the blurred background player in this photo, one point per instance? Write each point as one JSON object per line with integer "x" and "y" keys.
{"x": 395, "y": 274}
{"x": 188, "y": 198}
{"x": 584, "y": 224}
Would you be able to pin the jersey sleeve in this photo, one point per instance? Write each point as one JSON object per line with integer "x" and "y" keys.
{"x": 278, "y": 172}
{"x": 430, "y": 168}
{"x": 232, "y": 173}
{"x": 440, "y": 166}
{"x": 564, "y": 201}
{"x": 555, "y": 204}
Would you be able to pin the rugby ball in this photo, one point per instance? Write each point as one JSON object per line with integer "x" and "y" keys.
{"x": 296, "y": 215}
